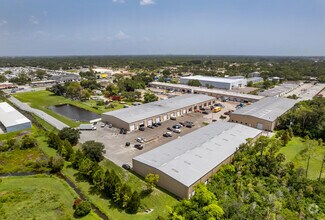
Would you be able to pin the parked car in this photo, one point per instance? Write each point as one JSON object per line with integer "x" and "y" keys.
{"x": 158, "y": 123}
{"x": 150, "y": 126}
{"x": 141, "y": 128}
{"x": 168, "y": 134}
{"x": 102, "y": 125}
{"x": 176, "y": 126}
{"x": 155, "y": 124}
{"x": 205, "y": 112}
{"x": 228, "y": 112}
{"x": 110, "y": 125}
{"x": 140, "y": 140}
{"x": 172, "y": 117}
{"x": 218, "y": 104}
{"x": 169, "y": 129}
{"x": 202, "y": 109}
{"x": 177, "y": 130}
{"x": 197, "y": 110}
{"x": 127, "y": 144}
{"x": 138, "y": 146}
{"x": 126, "y": 166}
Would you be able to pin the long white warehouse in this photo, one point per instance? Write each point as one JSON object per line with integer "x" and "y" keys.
{"x": 134, "y": 117}
{"x": 227, "y": 83}
{"x": 184, "y": 162}
{"x": 11, "y": 119}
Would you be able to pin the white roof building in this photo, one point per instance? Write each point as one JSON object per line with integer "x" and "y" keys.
{"x": 11, "y": 119}
{"x": 193, "y": 158}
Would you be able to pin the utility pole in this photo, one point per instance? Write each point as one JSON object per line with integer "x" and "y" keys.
{"x": 321, "y": 169}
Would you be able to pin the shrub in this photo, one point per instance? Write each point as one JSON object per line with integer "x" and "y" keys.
{"x": 28, "y": 142}
{"x": 82, "y": 209}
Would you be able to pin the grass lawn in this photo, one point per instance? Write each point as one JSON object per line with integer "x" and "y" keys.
{"x": 43, "y": 99}
{"x": 294, "y": 152}
{"x": 37, "y": 197}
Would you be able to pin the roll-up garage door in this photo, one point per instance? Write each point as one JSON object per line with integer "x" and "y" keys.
{"x": 157, "y": 120}
{"x": 132, "y": 127}
{"x": 259, "y": 126}
{"x": 165, "y": 117}
{"x": 184, "y": 111}
{"x": 178, "y": 113}
{"x": 149, "y": 122}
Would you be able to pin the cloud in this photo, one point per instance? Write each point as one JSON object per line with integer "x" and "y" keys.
{"x": 121, "y": 36}
{"x": 147, "y": 2}
{"x": 119, "y": 1}
{"x": 3, "y": 22}
{"x": 34, "y": 20}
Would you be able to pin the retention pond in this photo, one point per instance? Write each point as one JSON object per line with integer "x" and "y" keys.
{"x": 73, "y": 112}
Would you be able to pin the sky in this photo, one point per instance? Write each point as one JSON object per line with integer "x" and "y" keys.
{"x": 166, "y": 27}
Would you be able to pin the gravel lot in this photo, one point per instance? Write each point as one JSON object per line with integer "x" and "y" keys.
{"x": 114, "y": 142}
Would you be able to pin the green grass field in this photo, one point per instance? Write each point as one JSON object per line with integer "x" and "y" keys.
{"x": 295, "y": 152}
{"x": 43, "y": 99}
{"x": 37, "y": 197}
{"x": 18, "y": 161}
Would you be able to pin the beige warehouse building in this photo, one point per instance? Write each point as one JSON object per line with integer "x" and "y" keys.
{"x": 183, "y": 163}
{"x": 263, "y": 114}
{"x": 143, "y": 115}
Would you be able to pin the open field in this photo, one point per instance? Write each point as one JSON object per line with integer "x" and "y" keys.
{"x": 17, "y": 161}
{"x": 37, "y": 197}
{"x": 295, "y": 152}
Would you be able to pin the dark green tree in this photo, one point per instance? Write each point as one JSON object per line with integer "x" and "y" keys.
{"x": 194, "y": 82}
{"x": 134, "y": 203}
{"x": 149, "y": 97}
{"x": 93, "y": 150}
{"x": 70, "y": 134}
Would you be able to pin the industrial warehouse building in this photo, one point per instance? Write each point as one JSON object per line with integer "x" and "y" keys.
{"x": 217, "y": 82}
{"x": 143, "y": 115}
{"x": 11, "y": 119}
{"x": 183, "y": 163}
{"x": 263, "y": 114}
{"x": 218, "y": 93}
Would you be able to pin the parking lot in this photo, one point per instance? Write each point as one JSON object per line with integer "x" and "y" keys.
{"x": 115, "y": 143}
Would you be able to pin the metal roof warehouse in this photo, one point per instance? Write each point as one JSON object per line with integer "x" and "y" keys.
{"x": 193, "y": 158}
{"x": 133, "y": 117}
{"x": 264, "y": 113}
{"x": 218, "y": 93}
{"x": 11, "y": 119}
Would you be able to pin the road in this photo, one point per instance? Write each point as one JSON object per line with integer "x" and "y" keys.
{"x": 46, "y": 117}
